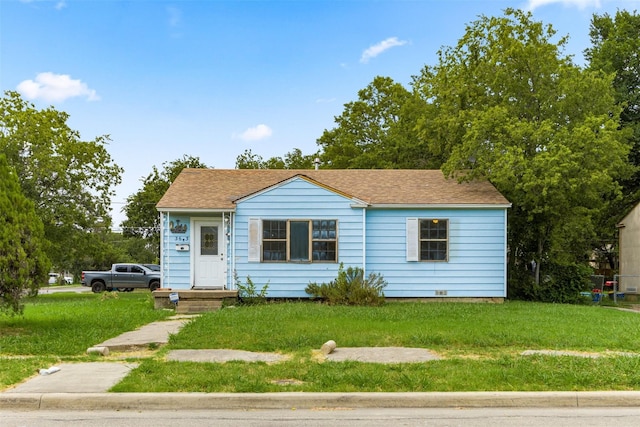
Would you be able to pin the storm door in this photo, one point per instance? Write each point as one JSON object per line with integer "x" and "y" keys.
{"x": 209, "y": 260}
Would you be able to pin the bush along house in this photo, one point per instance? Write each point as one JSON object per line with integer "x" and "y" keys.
{"x": 427, "y": 236}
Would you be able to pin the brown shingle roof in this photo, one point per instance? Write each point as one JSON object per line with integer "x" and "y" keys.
{"x": 219, "y": 188}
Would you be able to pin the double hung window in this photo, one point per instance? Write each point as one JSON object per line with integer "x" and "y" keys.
{"x": 427, "y": 239}
{"x": 433, "y": 239}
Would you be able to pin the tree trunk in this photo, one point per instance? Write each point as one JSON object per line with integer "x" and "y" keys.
{"x": 538, "y": 260}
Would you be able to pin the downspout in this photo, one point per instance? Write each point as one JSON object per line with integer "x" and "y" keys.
{"x": 161, "y": 231}
{"x": 364, "y": 241}
{"x": 226, "y": 223}
{"x": 233, "y": 250}
{"x": 505, "y": 243}
{"x": 165, "y": 250}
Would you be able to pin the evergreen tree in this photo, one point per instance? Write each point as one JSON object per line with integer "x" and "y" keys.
{"x": 24, "y": 265}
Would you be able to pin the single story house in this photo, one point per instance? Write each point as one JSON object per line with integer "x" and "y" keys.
{"x": 428, "y": 236}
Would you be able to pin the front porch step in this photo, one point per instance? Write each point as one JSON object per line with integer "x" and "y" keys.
{"x": 194, "y": 301}
{"x": 194, "y": 306}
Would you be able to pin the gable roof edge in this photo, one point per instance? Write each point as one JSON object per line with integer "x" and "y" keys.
{"x": 305, "y": 178}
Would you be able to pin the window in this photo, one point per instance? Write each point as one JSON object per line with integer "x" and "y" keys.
{"x": 427, "y": 239}
{"x": 325, "y": 233}
{"x": 209, "y": 240}
{"x": 274, "y": 240}
{"x": 433, "y": 239}
{"x": 299, "y": 240}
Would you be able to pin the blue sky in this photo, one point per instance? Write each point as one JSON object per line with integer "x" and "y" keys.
{"x": 213, "y": 78}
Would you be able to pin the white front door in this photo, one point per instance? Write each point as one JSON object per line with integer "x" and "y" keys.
{"x": 209, "y": 260}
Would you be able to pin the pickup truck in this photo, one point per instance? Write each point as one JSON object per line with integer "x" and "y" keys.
{"x": 123, "y": 277}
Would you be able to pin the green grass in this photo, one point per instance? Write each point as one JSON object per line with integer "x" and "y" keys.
{"x": 452, "y": 328}
{"x": 479, "y": 345}
{"x": 61, "y": 326}
{"x": 507, "y": 373}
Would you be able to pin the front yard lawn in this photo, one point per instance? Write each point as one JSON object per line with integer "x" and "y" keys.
{"x": 480, "y": 345}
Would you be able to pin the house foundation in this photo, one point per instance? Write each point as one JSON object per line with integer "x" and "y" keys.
{"x": 193, "y": 301}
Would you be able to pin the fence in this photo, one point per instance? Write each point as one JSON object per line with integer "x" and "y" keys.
{"x": 626, "y": 284}
{"x": 621, "y": 285}
{"x": 597, "y": 282}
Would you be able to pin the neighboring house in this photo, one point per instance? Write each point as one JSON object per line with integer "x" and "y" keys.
{"x": 426, "y": 235}
{"x": 629, "y": 252}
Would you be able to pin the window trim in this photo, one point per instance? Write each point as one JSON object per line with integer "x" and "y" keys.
{"x": 420, "y": 239}
{"x": 287, "y": 239}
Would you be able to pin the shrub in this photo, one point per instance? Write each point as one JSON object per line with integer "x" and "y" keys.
{"x": 350, "y": 288}
{"x": 559, "y": 284}
{"x": 248, "y": 293}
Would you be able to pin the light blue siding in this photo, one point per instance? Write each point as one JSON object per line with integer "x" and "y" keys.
{"x": 476, "y": 264}
{"x": 476, "y": 242}
{"x": 176, "y": 265}
{"x": 297, "y": 199}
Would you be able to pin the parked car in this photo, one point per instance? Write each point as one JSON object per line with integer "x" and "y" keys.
{"x": 54, "y": 279}
{"x": 124, "y": 277}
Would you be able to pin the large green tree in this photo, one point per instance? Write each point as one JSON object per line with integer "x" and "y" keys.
{"x": 616, "y": 49}
{"x": 143, "y": 221}
{"x": 378, "y": 131}
{"x": 23, "y": 262}
{"x": 108, "y": 247}
{"x": 514, "y": 109}
{"x": 292, "y": 160}
{"x": 70, "y": 181}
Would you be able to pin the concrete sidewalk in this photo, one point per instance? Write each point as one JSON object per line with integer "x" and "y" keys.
{"x": 98, "y": 377}
{"x": 83, "y": 386}
{"x": 155, "y": 333}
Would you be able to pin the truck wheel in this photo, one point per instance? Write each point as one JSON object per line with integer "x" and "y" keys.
{"x": 122, "y": 289}
{"x": 98, "y": 287}
{"x": 153, "y": 286}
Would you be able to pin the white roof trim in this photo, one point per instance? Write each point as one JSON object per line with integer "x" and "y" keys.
{"x": 192, "y": 210}
{"x": 439, "y": 206}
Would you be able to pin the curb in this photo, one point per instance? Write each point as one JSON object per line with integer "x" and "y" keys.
{"x": 285, "y": 400}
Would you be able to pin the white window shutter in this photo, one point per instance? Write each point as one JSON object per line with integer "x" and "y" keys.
{"x": 412, "y": 239}
{"x": 255, "y": 225}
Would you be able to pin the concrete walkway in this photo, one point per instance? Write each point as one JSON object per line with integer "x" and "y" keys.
{"x": 93, "y": 377}
{"x": 155, "y": 333}
{"x": 98, "y": 377}
{"x": 83, "y": 386}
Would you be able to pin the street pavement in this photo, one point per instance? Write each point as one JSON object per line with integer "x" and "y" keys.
{"x": 84, "y": 386}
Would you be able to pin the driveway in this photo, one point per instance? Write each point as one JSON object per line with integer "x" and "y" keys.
{"x": 55, "y": 289}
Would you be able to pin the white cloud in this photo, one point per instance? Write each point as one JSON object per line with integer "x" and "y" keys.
{"x": 377, "y": 49}
{"x": 55, "y": 87}
{"x": 58, "y": 5}
{"x": 255, "y": 134}
{"x": 581, "y": 4}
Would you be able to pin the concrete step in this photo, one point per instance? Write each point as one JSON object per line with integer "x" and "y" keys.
{"x": 198, "y": 306}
